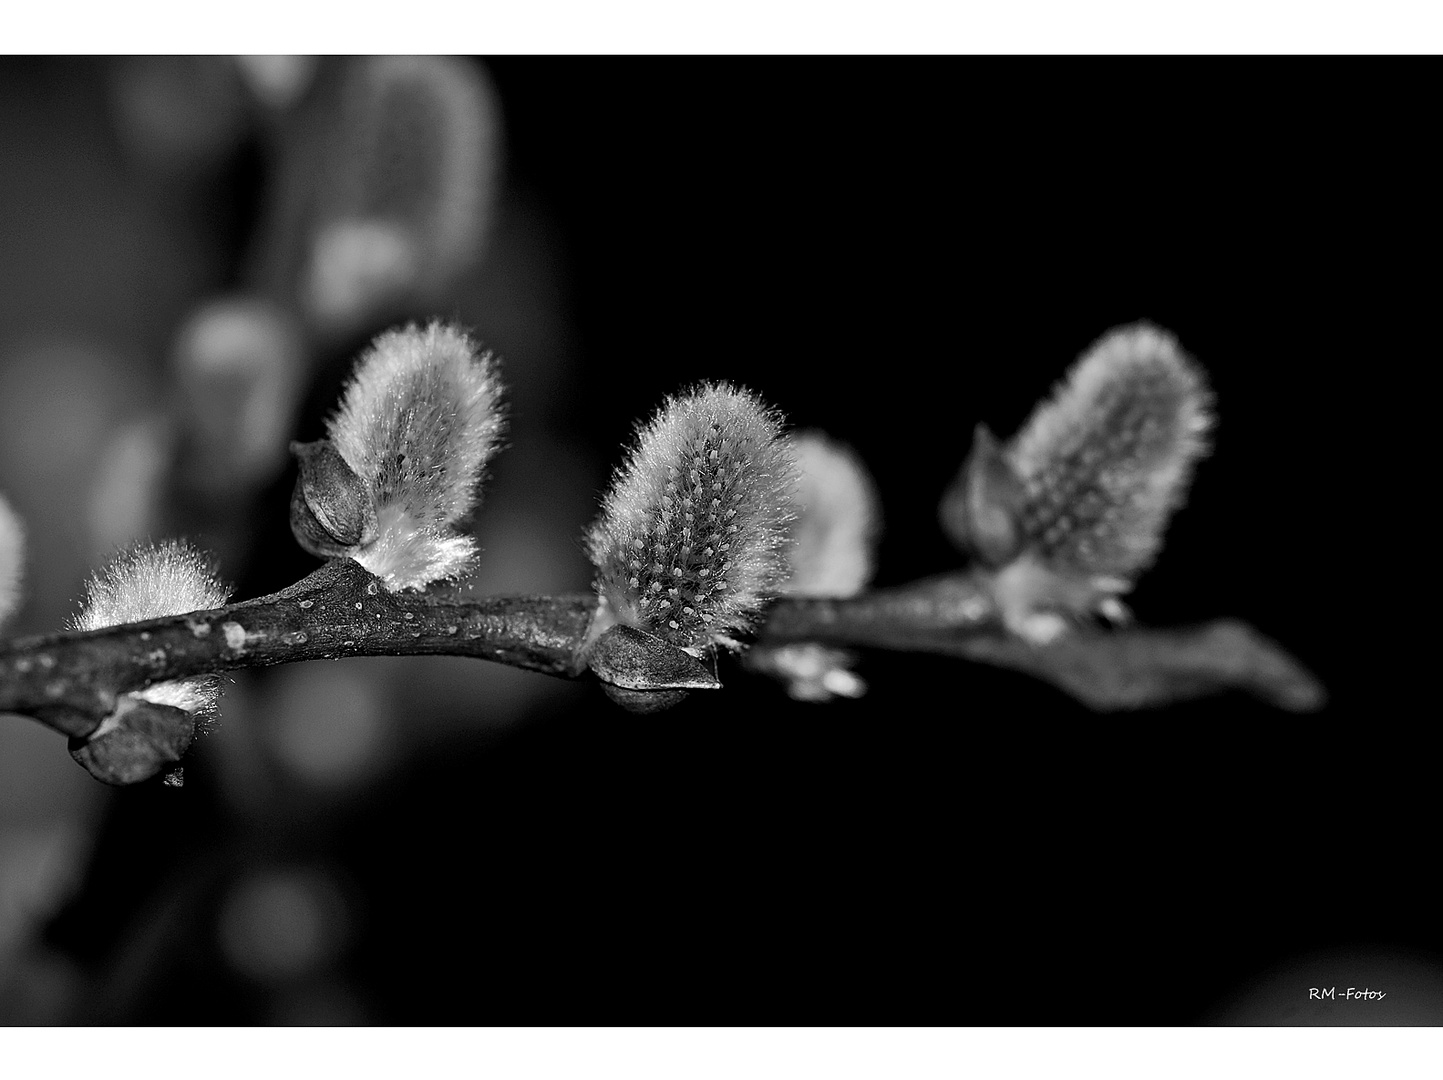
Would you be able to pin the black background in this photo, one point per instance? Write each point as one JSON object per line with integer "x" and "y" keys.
{"x": 895, "y": 249}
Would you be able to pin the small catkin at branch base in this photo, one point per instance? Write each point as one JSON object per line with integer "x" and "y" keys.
{"x": 150, "y": 727}
{"x": 70, "y": 680}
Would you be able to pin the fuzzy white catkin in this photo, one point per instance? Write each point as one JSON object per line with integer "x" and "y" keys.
{"x": 692, "y": 534}
{"x": 1108, "y": 459}
{"x": 419, "y": 420}
{"x": 12, "y": 559}
{"x": 150, "y": 581}
{"x": 1104, "y": 463}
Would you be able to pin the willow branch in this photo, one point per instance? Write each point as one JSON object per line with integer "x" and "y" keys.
{"x": 71, "y": 680}
{"x": 1129, "y": 668}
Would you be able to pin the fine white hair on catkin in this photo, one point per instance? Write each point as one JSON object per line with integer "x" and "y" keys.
{"x": 419, "y": 420}
{"x": 1109, "y": 457}
{"x": 12, "y": 559}
{"x": 151, "y": 581}
{"x": 692, "y": 534}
